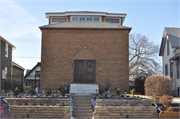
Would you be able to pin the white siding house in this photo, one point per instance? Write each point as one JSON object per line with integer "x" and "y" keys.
{"x": 32, "y": 78}
{"x": 170, "y": 52}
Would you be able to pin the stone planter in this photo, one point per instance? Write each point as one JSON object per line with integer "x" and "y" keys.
{"x": 41, "y": 112}
{"x": 169, "y": 115}
{"x": 125, "y": 112}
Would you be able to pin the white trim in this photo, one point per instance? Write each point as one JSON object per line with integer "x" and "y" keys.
{"x": 6, "y": 50}
{"x": 93, "y": 14}
{"x": 115, "y": 15}
{"x": 57, "y": 17}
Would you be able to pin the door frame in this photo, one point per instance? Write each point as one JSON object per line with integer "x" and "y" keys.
{"x": 74, "y": 71}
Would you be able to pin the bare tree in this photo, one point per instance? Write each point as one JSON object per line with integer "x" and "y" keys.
{"x": 142, "y": 55}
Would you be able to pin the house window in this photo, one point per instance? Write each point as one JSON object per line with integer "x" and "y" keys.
{"x": 177, "y": 68}
{"x": 58, "y": 19}
{"x": 4, "y": 73}
{"x": 74, "y": 18}
{"x": 171, "y": 70}
{"x": 112, "y": 20}
{"x": 89, "y": 18}
{"x": 6, "y": 50}
{"x": 37, "y": 74}
{"x": 81, "y": 18}
{"x": 166, "y": 69}
{"x": 168, "y": 47}
{"x": 96, "y": 18}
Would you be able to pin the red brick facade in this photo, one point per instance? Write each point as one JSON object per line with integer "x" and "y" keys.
{"x": 109, "y": 46}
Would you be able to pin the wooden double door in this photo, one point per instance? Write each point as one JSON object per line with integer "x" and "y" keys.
{"x": 84, "y": 71}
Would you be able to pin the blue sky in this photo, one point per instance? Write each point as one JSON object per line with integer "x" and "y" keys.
{"x": 20, "y": 19}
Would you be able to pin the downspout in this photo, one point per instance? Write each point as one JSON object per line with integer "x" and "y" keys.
{"x": 13, "y": 48}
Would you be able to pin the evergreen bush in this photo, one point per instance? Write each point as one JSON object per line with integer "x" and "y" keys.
{"x": 63, "y": 91}
{"x": 49, "y": 91}
{"x": 16, "y": 91}
{"x": 132, "y": 92}
{"x": 33, "y": 92}
{"x": 118, "y": 91}
{"x": 100, "y": 91}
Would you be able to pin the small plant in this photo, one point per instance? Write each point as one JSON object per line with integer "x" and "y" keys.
{"x": 118, "y": 91}
{"x": 132, "y": 92}
{"x": 29, "y": 103}
{"x": 49, "y": 91}
{"x": 33, "y": 92}
{"x": 45, "y": 104}
{"x": 14, "y": 103}
{"x": 100, "y": 91}
{"x": 63, "y": 91}
{"x": 166, "y": 101}
{"x": 128, "y": 105}
{"x": 16, "y": 91}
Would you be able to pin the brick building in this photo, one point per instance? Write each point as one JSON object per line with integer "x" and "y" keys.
{"x": 85, "y": 48}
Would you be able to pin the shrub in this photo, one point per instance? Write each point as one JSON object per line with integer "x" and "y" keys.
{"x": 49, "y": 91}
{"x": 166, "y": 101}
{"x": 16, "y": 91}
{"x": 108, "y": 85}
{"x": 33, "y": 92}
{"x": 132, "y": 92}
{"x": 100, "y": 91}
{"x": 117, "y": 91}
{"x": 157, "y": 86}
{"x": 63, "y": 91}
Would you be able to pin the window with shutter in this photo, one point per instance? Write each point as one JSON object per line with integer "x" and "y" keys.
{"x": 168, "y": 47}
{"x": 166, "y": 69}
{"x": 171, "y": 70}
{"x": 177, "y": 68}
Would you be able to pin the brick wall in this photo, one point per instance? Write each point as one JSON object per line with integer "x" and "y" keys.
{"x": 110, "y": 47}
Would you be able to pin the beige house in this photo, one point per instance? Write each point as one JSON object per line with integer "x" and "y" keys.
{"x": 170, "y": 52}
{"x": 85, "y": 47}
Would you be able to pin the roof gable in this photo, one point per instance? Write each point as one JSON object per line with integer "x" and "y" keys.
{"x": 29, "y": 71}
{"x": 173, "y": 36}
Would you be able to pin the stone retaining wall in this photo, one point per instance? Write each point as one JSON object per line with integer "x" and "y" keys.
{"x": 123, "y": 102}
{"x": 38, "y": 101}
{"x": 41, "y": 112}
{"x": 116, "y": 112}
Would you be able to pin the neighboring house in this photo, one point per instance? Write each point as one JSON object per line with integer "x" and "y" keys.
{"x": 170, "y": 52}
{"x": 6, "y": 64}
{"x": 32, "y": 78}
{"x": 85, "y": 47}
{"x": 17, "y": 76}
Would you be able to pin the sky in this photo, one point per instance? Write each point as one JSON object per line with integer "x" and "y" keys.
{"x": 20, "y": 20}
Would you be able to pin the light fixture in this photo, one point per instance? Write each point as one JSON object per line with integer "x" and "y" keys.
{"x": 72, "y": 61}
{"x": 97, "y": 61}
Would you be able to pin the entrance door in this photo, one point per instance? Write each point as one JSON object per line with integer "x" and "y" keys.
{"x": 84, "y": 71}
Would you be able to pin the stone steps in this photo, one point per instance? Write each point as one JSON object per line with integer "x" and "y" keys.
{"x": 82, "y": 107}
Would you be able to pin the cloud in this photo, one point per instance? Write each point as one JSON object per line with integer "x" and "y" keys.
{"x": 17, "y": 22}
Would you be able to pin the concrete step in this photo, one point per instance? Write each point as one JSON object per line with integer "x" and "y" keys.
{"x": 82, "y": 101}
{"x": 81, "y": 108}
{"x": 83, "y": 105}
{"x": 81, "y": 98}
{"x": 83, "y": 117}
{"x": 83, "y": 88}
{"x": 82, "y": 114}
{"x": 82, "y": 111}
